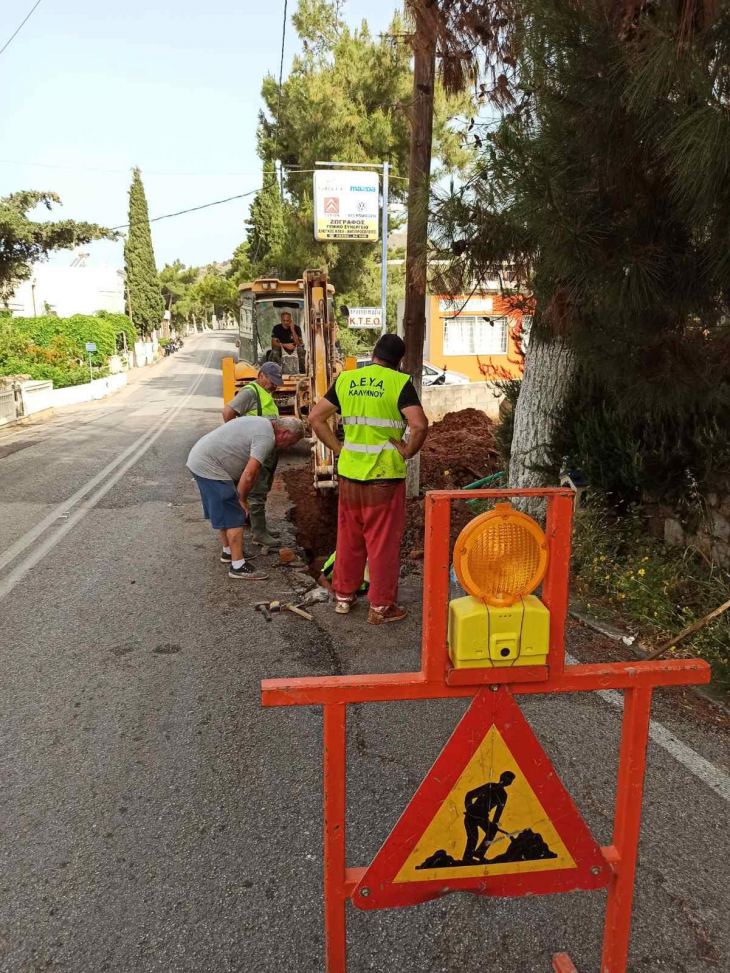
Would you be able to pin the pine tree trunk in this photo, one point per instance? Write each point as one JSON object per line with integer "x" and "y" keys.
{"x": 419, "y": 182}
{"x": 549, "y": 368}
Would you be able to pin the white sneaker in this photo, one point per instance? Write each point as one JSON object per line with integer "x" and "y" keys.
{"x": 343, "y": 605}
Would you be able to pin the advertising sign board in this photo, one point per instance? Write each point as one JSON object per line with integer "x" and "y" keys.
{"x": 346, "y": 205}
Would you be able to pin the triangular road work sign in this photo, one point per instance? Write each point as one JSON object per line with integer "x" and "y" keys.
{"x": 491, "y": 817}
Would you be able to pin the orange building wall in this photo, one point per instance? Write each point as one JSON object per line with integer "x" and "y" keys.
{"x": 479, "y": 368}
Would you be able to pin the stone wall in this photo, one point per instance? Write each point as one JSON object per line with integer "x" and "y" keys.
{"x": 438, "y": 400}
{"x": 705, "y": 527}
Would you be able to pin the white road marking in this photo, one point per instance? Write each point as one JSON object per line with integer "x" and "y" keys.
{"x": 716, "y": 779}
{"x": 118, "y": 467}
{"x": 63, "y": 509}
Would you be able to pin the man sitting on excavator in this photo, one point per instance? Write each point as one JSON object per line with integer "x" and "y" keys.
{"x": 286, "y": 338}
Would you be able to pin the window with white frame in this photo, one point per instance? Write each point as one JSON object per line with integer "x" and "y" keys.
{"x": 473, "y": 335}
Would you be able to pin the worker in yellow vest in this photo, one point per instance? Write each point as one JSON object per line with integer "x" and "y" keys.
{"x": 255, "y": 399}
{"x": 378, "y": 403}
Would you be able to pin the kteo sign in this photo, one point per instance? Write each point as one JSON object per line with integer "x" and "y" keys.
{"x": 366, "y": 317}
{"x": 346, "y": 205}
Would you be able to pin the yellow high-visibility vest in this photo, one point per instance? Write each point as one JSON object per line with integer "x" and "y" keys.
{"x": 369, "y": 406}
{"x": 265, "y": 405}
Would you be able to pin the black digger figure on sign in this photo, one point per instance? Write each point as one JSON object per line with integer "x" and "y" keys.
{"x": 479, "y": 804}
{"x": 483, "y": 808}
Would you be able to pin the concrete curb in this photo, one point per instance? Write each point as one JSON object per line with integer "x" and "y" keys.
{"x": 40, "y": 416}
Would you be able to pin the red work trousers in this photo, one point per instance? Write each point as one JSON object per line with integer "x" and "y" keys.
{"x": 370, "y": 521}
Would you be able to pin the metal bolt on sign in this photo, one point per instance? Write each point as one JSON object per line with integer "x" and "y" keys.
{"x": 491, "y": 817}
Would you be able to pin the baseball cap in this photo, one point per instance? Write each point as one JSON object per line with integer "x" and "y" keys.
{"x": 389, "y": 348}
{"x": 273, "y": 372}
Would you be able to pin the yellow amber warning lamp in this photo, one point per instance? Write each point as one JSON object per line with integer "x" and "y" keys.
{"x": 500, "y": 558}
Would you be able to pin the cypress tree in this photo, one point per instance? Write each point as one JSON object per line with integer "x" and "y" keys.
{"x": 265, "y": 225}
{"x": 143, "y": 294}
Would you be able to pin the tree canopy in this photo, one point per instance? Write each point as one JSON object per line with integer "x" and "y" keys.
{"x": 345, "y": 98}
{"x": 24, "y": 241}
{"x": 603, "y": 182}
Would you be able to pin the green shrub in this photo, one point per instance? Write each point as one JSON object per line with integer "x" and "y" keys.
{"x": 351, "y": 342}
{"x": 628, "y": 449}
{"x": 619, "y": 568}
{"x": 54, "y": 349}
{"x": 102, "y": 328}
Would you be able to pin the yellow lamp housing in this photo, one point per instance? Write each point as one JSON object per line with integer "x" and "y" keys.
{"x": 482, "y": 635}
{"x": 500, "y": 558}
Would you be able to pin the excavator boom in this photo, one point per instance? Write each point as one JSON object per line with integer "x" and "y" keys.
{"x": 323, "y": 365}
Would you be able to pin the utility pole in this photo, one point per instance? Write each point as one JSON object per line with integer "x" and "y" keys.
{"x": 419, "y": 184}
{"x": 384, "y": 268}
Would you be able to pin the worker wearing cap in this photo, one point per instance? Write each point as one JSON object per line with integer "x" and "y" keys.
{"x": 255, "y": 399}
{"x": 377, "y": 404}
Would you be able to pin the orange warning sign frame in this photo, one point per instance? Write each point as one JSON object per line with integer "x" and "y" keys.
{"x": 436, "y": 679}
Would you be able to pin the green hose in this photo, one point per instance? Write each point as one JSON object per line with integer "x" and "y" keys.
{"x": 480, "y": 505}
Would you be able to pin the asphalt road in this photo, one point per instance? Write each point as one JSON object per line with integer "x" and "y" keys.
{"x": 155, "y": 818}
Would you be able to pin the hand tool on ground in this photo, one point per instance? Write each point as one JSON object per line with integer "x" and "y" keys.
{"x": 267, "y": 608}
{"x": 296, "y": 610}
{"x": 263, "y": 607}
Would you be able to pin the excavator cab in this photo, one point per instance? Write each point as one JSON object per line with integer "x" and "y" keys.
{"x": 261, "y": 304}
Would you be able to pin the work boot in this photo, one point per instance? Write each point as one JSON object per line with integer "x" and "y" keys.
{"x": 259, "y": 531}
{"x": 382, "y": 614}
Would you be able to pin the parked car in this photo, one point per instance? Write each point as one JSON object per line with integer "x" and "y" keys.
{"x": 431, "y": 375}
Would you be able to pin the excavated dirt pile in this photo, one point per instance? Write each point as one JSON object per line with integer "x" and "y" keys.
{"x": 459, "y": 449}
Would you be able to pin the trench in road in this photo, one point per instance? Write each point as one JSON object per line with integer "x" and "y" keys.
{"x": 63, "y": 512}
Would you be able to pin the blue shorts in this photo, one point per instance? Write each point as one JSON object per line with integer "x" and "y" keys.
{"x": 221, "y": 505}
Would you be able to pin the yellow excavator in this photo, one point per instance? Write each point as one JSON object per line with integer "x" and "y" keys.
{"x": 310, "y": 301}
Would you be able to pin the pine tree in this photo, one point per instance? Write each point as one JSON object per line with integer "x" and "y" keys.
{"x": 603, "y": 182}
{"x": 143, "y": 294}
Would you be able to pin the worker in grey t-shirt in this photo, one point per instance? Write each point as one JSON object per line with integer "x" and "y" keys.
{"x": 226, "y": 464}
{"x": 224, "y": 452}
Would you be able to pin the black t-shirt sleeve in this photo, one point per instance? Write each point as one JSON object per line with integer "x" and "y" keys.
{"x": 408, "y": 396}
{"x": 331, "y": 396}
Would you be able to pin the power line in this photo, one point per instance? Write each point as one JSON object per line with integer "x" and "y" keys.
{"x": 192, "y": 209}
{"x": 20, "y": 26}
{"x": 150, "y": 172}
{"x": 146, "y": 172}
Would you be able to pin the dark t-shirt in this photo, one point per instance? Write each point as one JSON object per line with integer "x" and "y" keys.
{"x": 283, "y": 334}
{"x": 408, "y": 396}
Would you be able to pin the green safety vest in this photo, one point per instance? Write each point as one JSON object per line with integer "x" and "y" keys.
{"x": 328, "y": 570}
{"x": 265, "y": 405}
{"x": 369, "y": 406}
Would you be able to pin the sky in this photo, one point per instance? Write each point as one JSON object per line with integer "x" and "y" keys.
{"x": 90, "y": 89}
